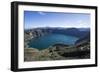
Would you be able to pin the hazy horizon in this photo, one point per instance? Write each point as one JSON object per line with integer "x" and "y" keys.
{"x": 57, "y": 27}
{"x": 35, "y": 19}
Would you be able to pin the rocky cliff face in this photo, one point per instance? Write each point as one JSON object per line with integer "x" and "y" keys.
{"x": 31, "y": 34}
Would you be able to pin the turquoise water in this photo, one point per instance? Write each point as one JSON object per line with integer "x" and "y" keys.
{"x": 52, "y": 39}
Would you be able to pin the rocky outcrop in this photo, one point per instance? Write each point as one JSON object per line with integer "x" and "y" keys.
{"x": 57, "y": 52}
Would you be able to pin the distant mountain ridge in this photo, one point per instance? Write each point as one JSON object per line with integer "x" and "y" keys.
{"x": 78, "y": 32}
{"x": 72, "y": 32}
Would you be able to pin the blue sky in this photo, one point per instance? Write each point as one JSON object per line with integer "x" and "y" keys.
{"x": 34, "y": 19}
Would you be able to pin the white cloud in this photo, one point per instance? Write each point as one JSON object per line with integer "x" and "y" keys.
{"x": 41, "y": 13}
{"x": 81, "y": 23}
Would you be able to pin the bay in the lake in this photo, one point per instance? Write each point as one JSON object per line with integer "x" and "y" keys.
{"x": 46, "y": 41}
